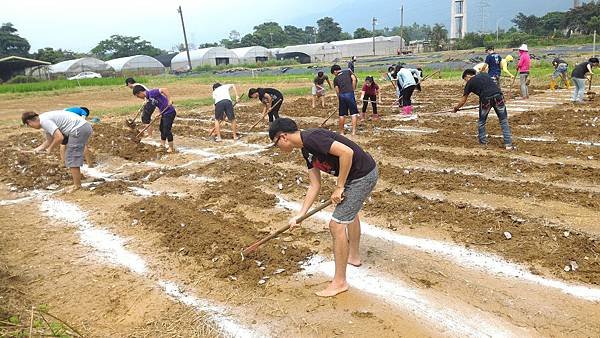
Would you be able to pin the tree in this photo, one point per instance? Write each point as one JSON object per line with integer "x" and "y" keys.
{"x": 526, "y": 23}
{"x": 55, "y": 55}
{"x": 328, "y": 30}
{"x": 269, "y": 34}
{"x": 295, "y": 35}
{"x": 11, "y": 43}
{"x": 118, "y": 46}
{"x": 311, "y": 34}
{"x": 362, "y": 32}
{"x": 438, "y": 37}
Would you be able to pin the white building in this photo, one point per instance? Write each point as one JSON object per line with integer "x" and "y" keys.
{"x": 212, "y": 56}
{"x": 318, "y": 52}
{"x": 458, "y": 19}
{"x": 252, "y": 54}
{"x": 364, "y": 47}
{"x": 76, "y": 66}
{"x": 137, "y": 65}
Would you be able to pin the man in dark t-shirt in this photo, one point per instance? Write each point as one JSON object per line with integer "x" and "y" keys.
{"x": 493, "y": 60}
{"x": 318, "y": 89}
{"x": 345, "y": 84}
{"x": 490, "y": 96}
{"x": 271, "y": 98}
{"x": 326, "y": 151}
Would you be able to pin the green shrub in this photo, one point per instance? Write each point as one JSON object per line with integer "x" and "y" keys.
{"x": 23, "y": 79}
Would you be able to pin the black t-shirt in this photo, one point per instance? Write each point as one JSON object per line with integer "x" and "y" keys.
{"x": 317, "y": 143}
{"x": 344, "y": 81}
{"x": 320, "y": 80}
{"x": 558, "y": 61}
{"x": 274, "y": 93}
{"x": 351, "y": 66}
{"x": 580, "y": 70}
{"x": 482, "y": 85}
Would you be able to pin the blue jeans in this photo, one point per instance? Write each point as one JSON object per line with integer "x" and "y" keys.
{"x": 579, "y": 89}
{"x": 485, "y": 105}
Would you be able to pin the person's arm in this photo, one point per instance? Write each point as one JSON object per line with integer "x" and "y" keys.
{"x": 267, "y": 101}
{"x": 377, "y": 95}
{"x": 57, "y": 139}
{"x": 589, "y": 67}
{"x": 314, "y": 187}
{"x": 362, "y": 95}
{"x": 461, "y": 103}
{"x": 329, "y": 83}
{"x": 337, "y": 90}
{"x": 345, "y": 154}
{"x": 165, "y": 93}
{"x": 354, "y": 81}
{"x": 44, "y": 145}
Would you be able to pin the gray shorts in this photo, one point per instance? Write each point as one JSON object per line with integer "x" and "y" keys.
{"x": 224, "y": 108}
{"x": 355, "y": 194}
{"x": 76, "y": 145}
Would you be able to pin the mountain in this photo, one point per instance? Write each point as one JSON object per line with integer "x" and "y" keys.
{"x": 359, "y": 13}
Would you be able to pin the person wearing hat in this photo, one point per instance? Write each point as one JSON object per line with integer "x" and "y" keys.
{"x": 318, "y": 88}
{"x": 579, "y": 74}
{"x": 504, "y": 65}
{"x": 56, "y": 125}
{"x": 351, "y": 64}
{"x": 560, "y": 70}
{"x": 523, "y": 69}
{"x": 345, "y": 84}
{"x": 357, "y": 175}
{"x": 493, "y": 60}
{"x": 148, "y": 107}
{"x": 481, "y": 67}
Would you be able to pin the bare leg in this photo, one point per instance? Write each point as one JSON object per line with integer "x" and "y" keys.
{"x": 63, "y": 149}
{"x": 323, "y": 101}
{"x": 171, "y": 147}
{"x": 217, "y": 129}
{"x": 149, "y": 131}
{"x": 354, "y": 242}
{"x": 234, "y": 129}
{"x": 313, "y": 101}
{"x": 340, "y": 253}
{"x": 354, "y": 122}
{"x": 88, "y": 156}
{"x": 162, "y": 144}
{"x": 76, "y": 174}
{"x": 341, "y": 123}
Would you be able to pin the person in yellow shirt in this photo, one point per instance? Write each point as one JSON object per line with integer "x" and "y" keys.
{"x": 504, "y": 65}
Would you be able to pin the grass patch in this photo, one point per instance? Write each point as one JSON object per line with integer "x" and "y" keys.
{"x": 53, "y": 85}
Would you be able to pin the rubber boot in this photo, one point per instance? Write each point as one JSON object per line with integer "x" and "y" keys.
{"x": 410, "y": 110}
{"x": 405, "y": 110}
{"x": 552, "y": 85}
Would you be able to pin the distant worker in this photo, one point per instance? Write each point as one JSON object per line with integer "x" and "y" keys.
{"x": 345, "y": 84}
{"x": 369, "y": 93}
{"x": 407, "y": 85}
{"x": 318, "y": 88}
{"x": 418, "y": 76}
{"x": 161, "y": 99}
{"x": 579, "y": 74}
{"x": 481, "y": 67}
{"x": 504, "y": 65}
{"x": 523, "y": 69}
{"x": 493, "y": 60}
{"x": 148, "y": 107}
{"x": 351, "y": 63}
{"x": 560, "y": 70}
{"x": 224, "y": 108}
{"x": 271, "y": 98}
{"x": 57, "y": 124}
{"x": 490, "y": 96}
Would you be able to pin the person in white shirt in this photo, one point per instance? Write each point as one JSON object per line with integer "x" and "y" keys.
{"x": 224, "y": 107}
{"x": 57, "y": 125}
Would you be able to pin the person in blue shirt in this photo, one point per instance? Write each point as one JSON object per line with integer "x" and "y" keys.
{"x": 85, "y": 113}
{"x": 493, "y": 60}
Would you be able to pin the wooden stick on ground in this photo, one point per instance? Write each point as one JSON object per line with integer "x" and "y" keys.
{"x": 328, "y": 117}
{"x": 449, "y": 110}
{"x": 152, "y": 122}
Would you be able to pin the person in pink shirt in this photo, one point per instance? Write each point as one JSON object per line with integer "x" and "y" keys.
{"x": 523, "y": 69}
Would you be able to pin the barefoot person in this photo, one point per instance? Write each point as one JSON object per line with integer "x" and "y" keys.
{"x": 318, "y": 88}
{"x": 147, "y": 108}
{"x": 56, "y": 124}
{"x": 490, "y": 96}
{"x": 271, "y": 98}
{"x": 345, "y": 84}
{"x": 224, "y": 107}
{"x": 85, "y": 113}
{"x": 160, "y": 98}
{"x": 357, "y": 175}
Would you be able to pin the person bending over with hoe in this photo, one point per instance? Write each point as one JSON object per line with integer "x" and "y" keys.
{"x": 407, "y": 85}
{"x": 56, "y": 124}
{"x": 560, "y": 71}
{"x": 579, "y": 74}
{"x": 147, "y": 108}
{"x": 84, "y": 113}
{"x": 369, "y": 93}
{"x": 271, "y": 98}
{"x": 160, "y": 98}
{"x": 224, "y": 107}
{"x": 357, "y": 175}
{"x": 318, "y": 88}
{"x": 490, "y": 96}
{"x": 345, "y": 83}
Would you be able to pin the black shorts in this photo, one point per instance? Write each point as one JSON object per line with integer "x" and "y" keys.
{"x": 149, "y": 108}
{"x": 222, "y": 108}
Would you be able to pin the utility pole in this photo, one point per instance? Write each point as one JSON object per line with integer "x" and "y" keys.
{"x": 374, "y": 22}
{"x": 401, "y": 28}
{"x": 187, "y": 49}
{"x": 594, "y": 53}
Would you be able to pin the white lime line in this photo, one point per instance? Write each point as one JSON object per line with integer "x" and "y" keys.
{"x": 112, "y": 248}
{"x": 488, "y": 263}
{"x": 459, "y": 319}
{"x": 410, "y": 130}
{"x": 586, "y": 143}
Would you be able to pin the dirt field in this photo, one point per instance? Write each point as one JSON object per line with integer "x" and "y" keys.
{"x": 458, "y": 239}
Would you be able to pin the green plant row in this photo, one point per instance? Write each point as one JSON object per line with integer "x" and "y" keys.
{"x": 61, "y": 84}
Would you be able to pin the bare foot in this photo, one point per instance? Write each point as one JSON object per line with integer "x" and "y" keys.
{"x": 354, "y": 262}
{"x": 332, "y": 290}
{"x": 171, "y": 150}
{"x": 72, "y": 189}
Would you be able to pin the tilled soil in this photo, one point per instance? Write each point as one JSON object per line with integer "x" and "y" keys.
{"x": 121, "y": 142}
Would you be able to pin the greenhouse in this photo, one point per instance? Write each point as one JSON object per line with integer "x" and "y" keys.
{"x": 364, "y": 47}
{"x": 318, "y": 52}
{"x": 252, "y": 54}
{"x": 76, "y": 66}
{"x": 137, "y": 65}
{"x": 212, "y": 56}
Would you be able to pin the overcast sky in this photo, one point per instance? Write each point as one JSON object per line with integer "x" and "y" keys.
{"x": 79, "y": 25}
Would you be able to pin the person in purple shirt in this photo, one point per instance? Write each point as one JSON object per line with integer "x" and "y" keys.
{"x": 160, "y": 98}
